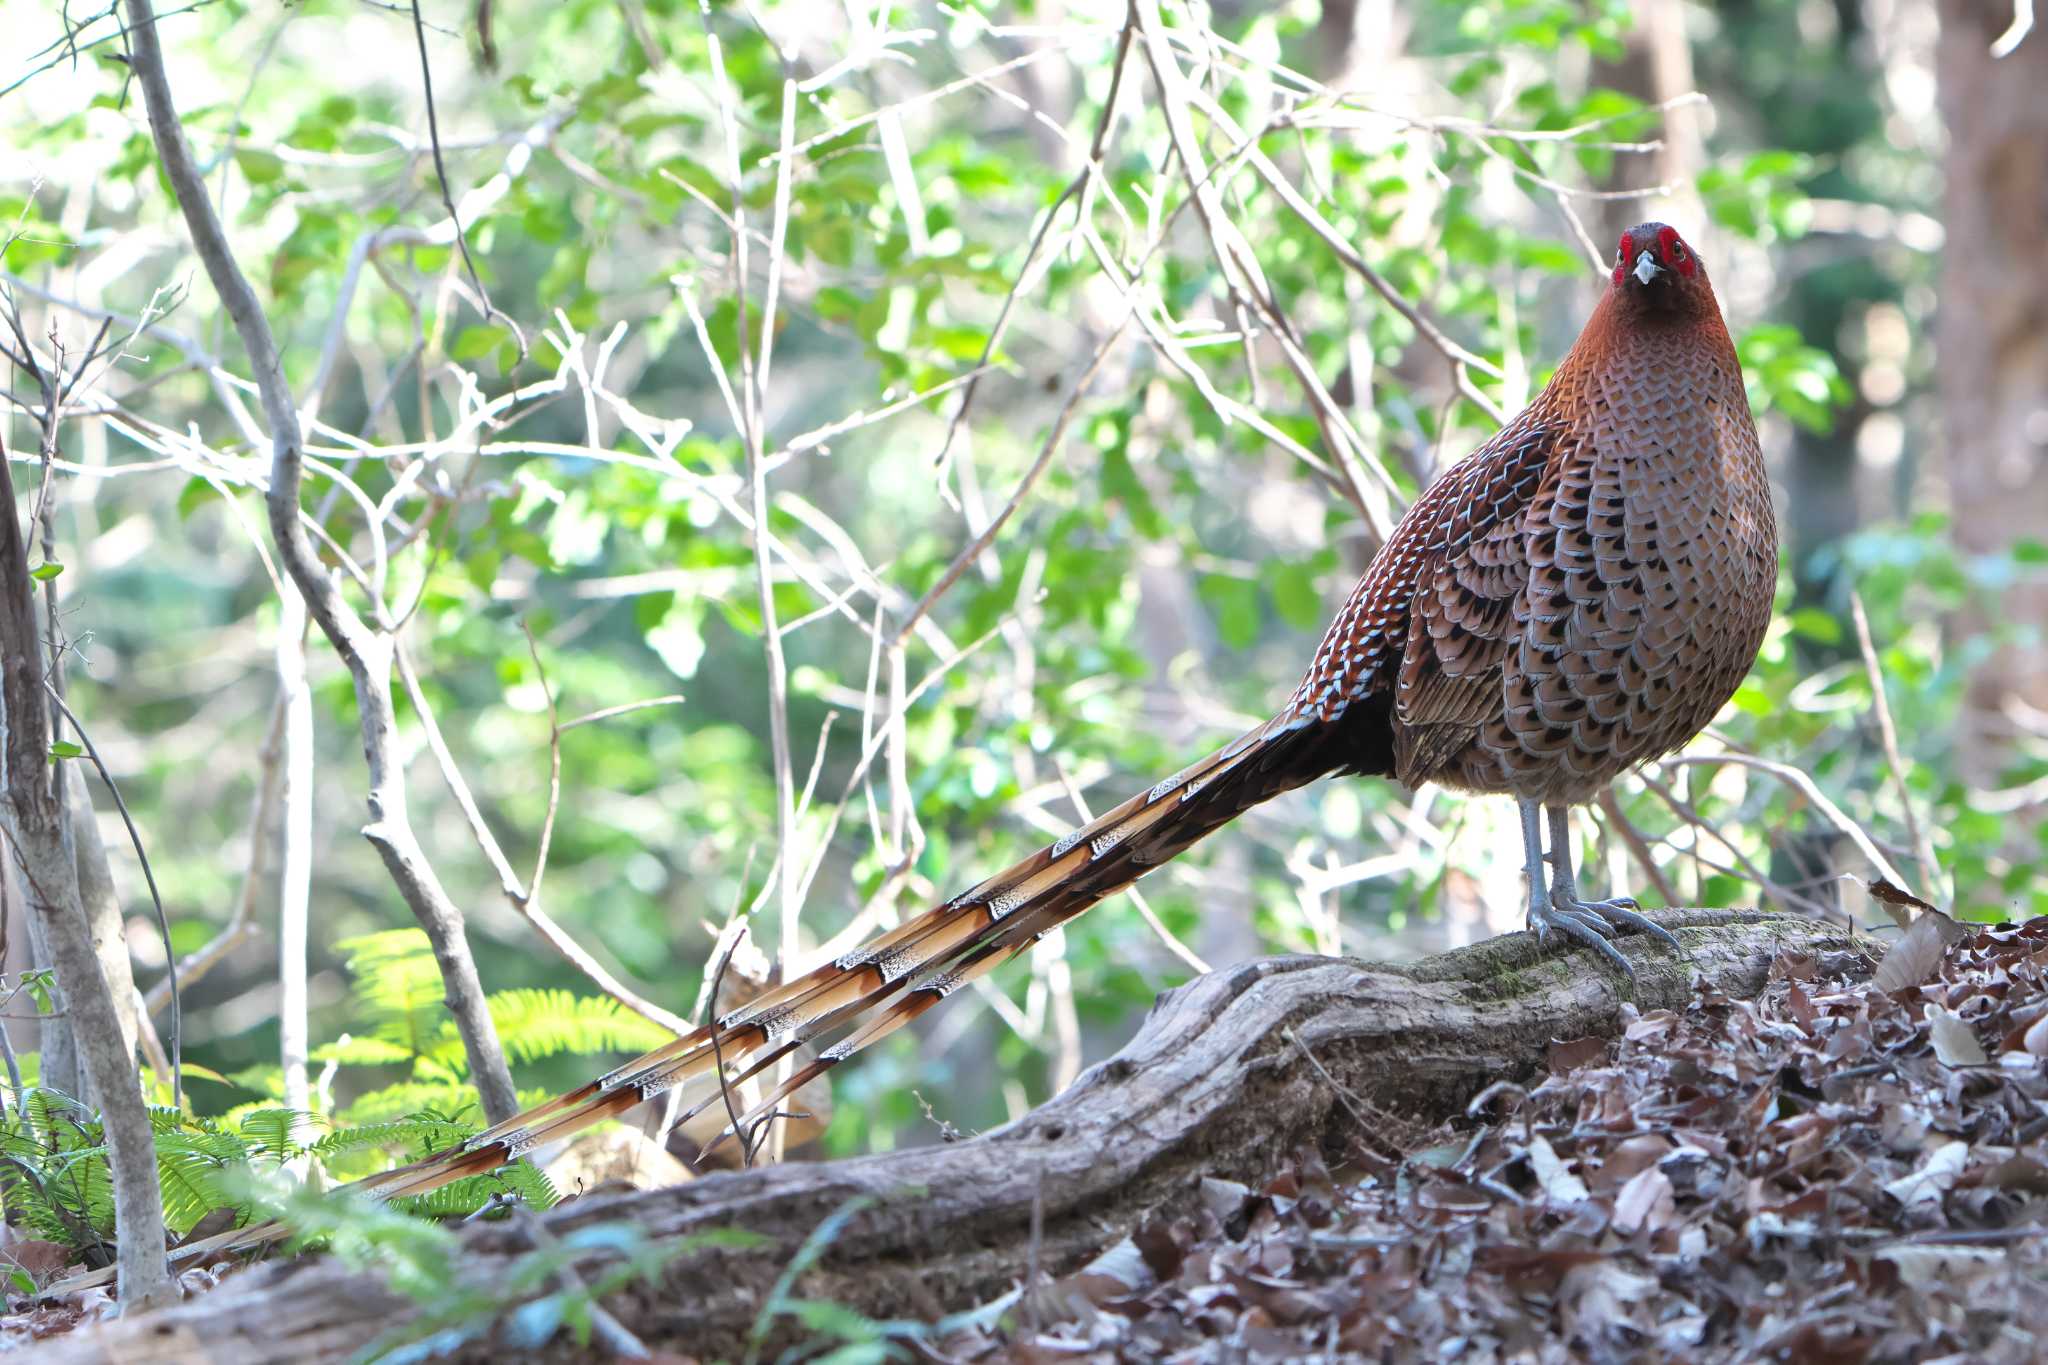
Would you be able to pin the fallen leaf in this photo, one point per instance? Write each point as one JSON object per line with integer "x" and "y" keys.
{"x": 1954, "y": 1043}
{"x": 1119, "y": 1271}
{"x": 39, "y": 1258}
{"x": 1224, "y": 1197}
{"x": 1913, "y": 958}
{"x": 2018, "y": 1173}
{"x": 1940, "y": 1269}
{"x": 1791, "y": 966}
{"x": 1933, "y": 1178}
{"x": 1560, "y": 1187}
{"x": 1645, "y": 1203}
{"x": 1567, "y": 1057}
{"x": 1896, "y": 899}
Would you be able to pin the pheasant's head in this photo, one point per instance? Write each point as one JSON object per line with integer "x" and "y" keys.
{"x": 1655, "y": 272}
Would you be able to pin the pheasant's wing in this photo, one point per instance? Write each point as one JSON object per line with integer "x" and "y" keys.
{"x": 1468, "y": 599}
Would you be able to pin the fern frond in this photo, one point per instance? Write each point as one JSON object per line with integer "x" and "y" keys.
{"x": 530, "y": 1183}
{"x": 398, "y": 987}
{"x": 534, "y": 1024}
{"x": 356, "y": 1050}
{"x": 405, "y": 1132}
{"x": 274, "y": 1132}
{"x": 190, "y": 1175}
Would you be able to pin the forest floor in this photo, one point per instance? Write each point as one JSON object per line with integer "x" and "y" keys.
{"x": 1833, "y": 1172}
{"x": 1839, "y": 1170}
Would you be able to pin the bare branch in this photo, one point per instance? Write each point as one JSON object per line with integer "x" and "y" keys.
{"x": 1923, "y": 846}
{"x": 523, "y": 899}
{"x": 367, "y": 654}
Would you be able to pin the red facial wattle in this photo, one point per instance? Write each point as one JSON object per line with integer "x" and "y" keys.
{"x": 1621, "y": 262}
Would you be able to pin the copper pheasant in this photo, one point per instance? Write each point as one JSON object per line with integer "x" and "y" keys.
{"x": 1580, "y": 594}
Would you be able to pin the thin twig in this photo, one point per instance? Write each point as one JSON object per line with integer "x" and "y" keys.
{"x": 491, "y": 312}
{"x": 942, "y": 461}
{"x": 1638, "y": 847}
{"x": 622, "y": 709}
{"x": 1745, "y": 866}
{"x": 1807, "y": 787}
{"x": 522, "y": 898}
{"x": 295, "y": 839}
{"x": 1923, "y": 846}
{"x": 195, "y": 965}
{"x": 732, "y": 1112}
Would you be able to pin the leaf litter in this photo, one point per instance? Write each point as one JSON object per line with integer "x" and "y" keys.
{"x": 1839, "y": 1171}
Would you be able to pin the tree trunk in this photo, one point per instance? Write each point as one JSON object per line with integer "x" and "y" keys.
{"x": 36, "y": 822}
{"x": 1230, "y": 1075}
{"x": 102, "y": 903}
{"x": 1992, "y": 340}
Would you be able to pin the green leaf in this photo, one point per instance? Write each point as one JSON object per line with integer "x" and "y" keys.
{"x": 474, "y": 343}
{"x": 64, "y": 748}
{"x": 260, "y": 165}
{"x": 1235, "y": 603}
{"x": 195, "y": 492}
{"x": 46, "y": 571}
{"x": 1817, "y": 625}
{"x": 1295, "y": 596}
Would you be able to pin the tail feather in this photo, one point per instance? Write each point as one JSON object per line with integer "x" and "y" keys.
{"x": 884, "y": 984}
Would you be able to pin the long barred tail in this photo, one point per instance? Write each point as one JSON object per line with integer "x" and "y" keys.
{"x": 877, "y": 988}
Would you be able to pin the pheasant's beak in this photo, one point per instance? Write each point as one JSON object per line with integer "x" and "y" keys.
{"x": 1647, "y": 268}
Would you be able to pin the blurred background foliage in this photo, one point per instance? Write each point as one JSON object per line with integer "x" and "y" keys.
{"x": 1161, "y": 582}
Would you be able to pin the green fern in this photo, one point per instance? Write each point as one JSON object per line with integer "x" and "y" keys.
{"x": 351, "y": 1050}
{"x": 273, "y": 1132}
{"x": 533, "y": 1024}
{"x": 458, "y": 1199}
{"x": 191, "y": 1168}
{"x": 433, "y": 1134}
{"x": 53, "y": 1165}
{"x": 398, "y": 989}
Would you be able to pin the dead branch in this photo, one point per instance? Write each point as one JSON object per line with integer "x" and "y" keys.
{"x": 1229, "y": 1075}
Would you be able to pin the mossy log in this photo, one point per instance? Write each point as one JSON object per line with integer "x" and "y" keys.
{"x": 1229, "y": 1076}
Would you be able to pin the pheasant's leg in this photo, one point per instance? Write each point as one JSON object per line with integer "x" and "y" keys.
{"x": 1568, "y": 917}
{"x": 1564, "y": 887}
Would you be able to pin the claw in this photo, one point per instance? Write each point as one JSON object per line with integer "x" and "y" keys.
{"x": 1581, "y": 926}
{"x": 1584, "y": 918}
{"x": 1622, "y": 912}
{"x": 1594, "y": 923}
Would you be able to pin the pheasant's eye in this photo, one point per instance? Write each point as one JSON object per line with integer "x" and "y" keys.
{"x": 1678, "y": 251}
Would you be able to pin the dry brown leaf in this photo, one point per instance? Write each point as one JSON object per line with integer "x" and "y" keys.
{"x": 1567, "y": 1056}
{"x": 39, "y": 1258}
{"x": 1954, "y": 1043}
{"x": 1913, "y": 958}
{"x": 1645, "y": 1203}
{"x": 1627, "y": 1158}
{"x": 1941, "y": 1268}
{"x": 1896, "y": 900}
{"x": 1934, "y": 1177}
{"x": 1790, "y": 966}
{"x": 1560, "y": 1186}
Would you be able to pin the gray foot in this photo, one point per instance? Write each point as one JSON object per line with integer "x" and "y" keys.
{"x": 1593, "y": 923}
